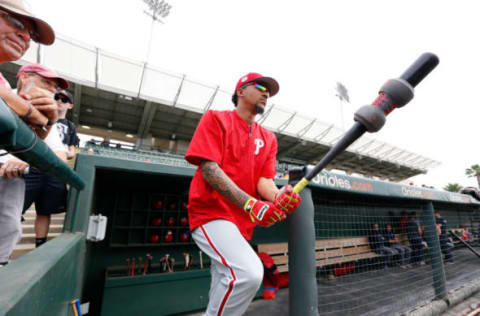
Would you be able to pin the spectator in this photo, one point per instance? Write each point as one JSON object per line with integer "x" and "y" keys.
{"x": 66, "y": 128}
{"x": 105, "y": 143}
{"x": 466, "y": 235}
{"x": 422, "y": 234}
{"x": 391, "y": 241}
{"x": 414, "y": 234}
{"x": 48, "y": 193}
{"x": 377, "y": 243}
{"x": 445, "y": 245}
{"x": 403, "y": 221}
{"x": 17, "y": 27}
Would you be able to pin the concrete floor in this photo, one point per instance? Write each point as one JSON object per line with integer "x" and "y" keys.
{"x": 376, "y": 291}
{"x": 468, "y": 306}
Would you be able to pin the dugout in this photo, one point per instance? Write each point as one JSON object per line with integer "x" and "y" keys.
{"x": 127, "y": 191}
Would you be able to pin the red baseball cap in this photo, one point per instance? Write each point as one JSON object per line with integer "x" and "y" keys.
{"x": 44, "y": 72}
{"x": 270, "y": 83}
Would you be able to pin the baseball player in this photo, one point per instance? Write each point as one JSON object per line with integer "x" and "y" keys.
{"x": 233, "y": 190}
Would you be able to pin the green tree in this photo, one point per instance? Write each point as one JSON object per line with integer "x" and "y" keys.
{"x": 474, "y": 171}
{"x": 452, "y": 187}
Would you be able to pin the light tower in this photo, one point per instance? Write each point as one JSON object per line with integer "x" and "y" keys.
{"x": 157, "y": 10}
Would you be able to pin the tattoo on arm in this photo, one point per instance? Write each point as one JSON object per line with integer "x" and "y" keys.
{"x": 218, "y": 179}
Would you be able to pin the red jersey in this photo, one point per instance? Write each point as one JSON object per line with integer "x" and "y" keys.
{"x": 245, "y": 153}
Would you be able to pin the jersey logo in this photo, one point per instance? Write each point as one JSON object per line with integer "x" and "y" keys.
{"x": 259, "y": 143}
{"x": 62, "y": 130}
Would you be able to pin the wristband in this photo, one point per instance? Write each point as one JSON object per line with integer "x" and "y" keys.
{"x": 50, "y": 123}
{"x": 249, "y": 204}
{"x": 248, "y": 207}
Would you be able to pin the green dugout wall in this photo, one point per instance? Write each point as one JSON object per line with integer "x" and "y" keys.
{"x": 44, "y": 281}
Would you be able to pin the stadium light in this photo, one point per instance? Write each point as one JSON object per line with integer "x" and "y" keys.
{"x": 342, "y": 93}
{"x": 157, "y": 10}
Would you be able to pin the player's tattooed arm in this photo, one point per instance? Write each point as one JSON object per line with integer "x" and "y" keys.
{"x": 218, "y": 179}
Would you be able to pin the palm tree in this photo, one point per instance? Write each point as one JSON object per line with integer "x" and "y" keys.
{"x": 452, "y": 187}
{"x": 474, "y": 171}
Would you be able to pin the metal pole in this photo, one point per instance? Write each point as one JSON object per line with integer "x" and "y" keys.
{"x": 97, "y": 66}
{"x": 303, "y": 293}
{"x": 149, "y": 47}
{"x": 434, "y": 251}
{"x": 466, "y": 244}
{"x": 147, "y": 57}
{"x": 40, "y": 53}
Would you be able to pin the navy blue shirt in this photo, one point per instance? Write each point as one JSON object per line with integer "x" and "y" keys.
{"x": 412, "y": 230}
{"x": 68, "y": 132}
{"x": 376, "y": 239}
{"x": 389, "y": 236}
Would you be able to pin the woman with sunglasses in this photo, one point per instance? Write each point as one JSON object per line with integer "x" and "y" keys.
{"x": 233, "y": 190}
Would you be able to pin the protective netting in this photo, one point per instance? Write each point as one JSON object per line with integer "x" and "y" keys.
{"x": 373, "y": 254}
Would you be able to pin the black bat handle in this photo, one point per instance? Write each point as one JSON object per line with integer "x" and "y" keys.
{"x": 420, "y": 68}
{"x": 350, "y": 136}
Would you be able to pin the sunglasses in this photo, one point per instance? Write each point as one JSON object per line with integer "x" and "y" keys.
{"x": 261, "y": 88}
{"x": 61, "y": 98}
{"x": 258, "y": 86}
{"x": 19, "y": 25}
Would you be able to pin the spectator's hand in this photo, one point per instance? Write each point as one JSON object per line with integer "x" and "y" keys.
{"x": 22, "y": 108}
{"x": 287, "y": 200}
{"x": 43, "y": 100}
{"x": 13, "y": 168}
{"x": 263, "y": 213}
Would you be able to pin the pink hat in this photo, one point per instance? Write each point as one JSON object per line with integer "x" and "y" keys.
{"x": 44, "y": 72}
{"x": 270, "y": 83}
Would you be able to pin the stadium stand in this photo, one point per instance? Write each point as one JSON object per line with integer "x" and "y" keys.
{"x": 144, "y": 156}
{"x": 106, "y": 104}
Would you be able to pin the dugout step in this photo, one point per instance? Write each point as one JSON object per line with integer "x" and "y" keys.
{"x": 21, "y": 249}
{"x": 53, "y": 221}
{"x": 142, "y": 292}
{"x": 30, "y": 228}
{"x": 30, "y": 238}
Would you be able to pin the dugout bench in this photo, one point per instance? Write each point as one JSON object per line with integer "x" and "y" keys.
{"x": 327, "y": 251}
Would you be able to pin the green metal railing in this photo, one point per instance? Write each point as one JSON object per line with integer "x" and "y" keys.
{"x": 16, "y": 137}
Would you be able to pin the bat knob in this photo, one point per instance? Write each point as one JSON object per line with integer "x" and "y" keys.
{"x": 371, "y": 117}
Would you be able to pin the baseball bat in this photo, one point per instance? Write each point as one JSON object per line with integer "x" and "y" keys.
{"x": 394, "y": 93}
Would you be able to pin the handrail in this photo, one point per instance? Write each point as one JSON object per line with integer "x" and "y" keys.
{"x": 16, "y": 137}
